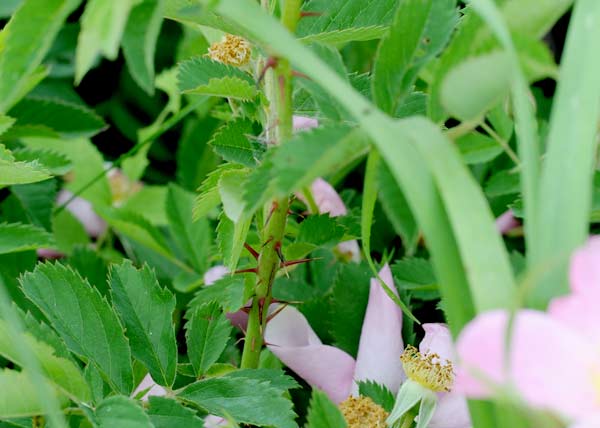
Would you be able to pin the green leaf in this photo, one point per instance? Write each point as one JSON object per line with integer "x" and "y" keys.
{"x": 207, "y": 333}
{"x": 90, "y": 266}
{"x": 227, "y": 291}
{"x": 26, "y": 39}
{"x": 244, "y": 399}
{"x": 419, "y": 32}
{"x": 208, "y": 197}
{"x": 322, "y": 413}
{"x": 276, "y": 377}
{"x": 417, "y": 276}
{"x": 230, "y": 184}
{"x": 320, "y": 230}
{"x": 204, "y": 76}
{"x": 476, "y": 85}
{"x": 194, "y": 238}
{"x": 16, "y": 237}
{"x": 566, "y": 180}
{"x": 378, "y": 393}
{"x": 37, "y": 200}
{"x": 396, "y": 208}
{"x": 102, "y": 26}
{"x": 19, "y": 396}
{"x": 62, "y": 372}
{"x": 137, "y": 228}
{"x": 348, "y": 17}
{"x": 231, "y": 238}
{"x": 297, "y": 162}
{"x": 84, "y": 320}
{"x": 142, "y": 30}
{"x": 232, "y": 144}
{"x": 146, "y": 310}
{"x": 5, "y": 123}
{"x": 167, "y": 413}
{"x": 54, "y": 162}
{"x": 504, "y": 182}
{"x": 122, "y": 412}
{"x": 343, "y": 36}
{"x": 349, "y": 304}
{"x": 15, "y": 172}
{"x": 477, "y": 148}
{"x": 67, "y": 119}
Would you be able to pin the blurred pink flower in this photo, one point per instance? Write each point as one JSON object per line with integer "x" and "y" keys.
{"x": 329, "y": 202}
{"x": 153, "y": 389}
{"x": 507, "y": 222}
{"x": 553, "y": 358}
{"x": 303, "y": 122}
{"x": 83, "y": 211}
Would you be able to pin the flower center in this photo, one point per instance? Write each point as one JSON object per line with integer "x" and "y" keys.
{"x": 428, "y": 370}
{"x": 232, "y": 50}
{"x": 362, "y": 412}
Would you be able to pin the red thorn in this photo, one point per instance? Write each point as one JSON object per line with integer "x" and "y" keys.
{"x": 306, "y": 13}
{"x": 273, "y": 208}
{"x": 282, "y": 87}
{"x": 249, "y": 270}
{"x": 251, "y": 250}
{"x": 271, "y": 63}
{"x": 277, "y": 311}
{"x": 266, "y": 242}
{"x": 299, "y": 74}
{"x": 297, "y": 262}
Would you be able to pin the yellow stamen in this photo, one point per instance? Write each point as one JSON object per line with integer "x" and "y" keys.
{"x": 232, "y": 50}
{"x": 362, "y": 412}
{"x": 428, "y": 370}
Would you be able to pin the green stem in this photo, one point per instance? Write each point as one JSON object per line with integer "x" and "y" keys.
{"x": 408, "y": 419}
{"x": 278, "y": 84}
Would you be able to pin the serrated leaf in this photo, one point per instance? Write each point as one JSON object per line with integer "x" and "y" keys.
{"x": 346, "y": 16}
{"x": 102, "y": 26}
{"x": 476, "y": 85}
{"x": 167, "y": 413}
{"x": 231, "y": 142}
{"x": 320, "y": 230}
{"x": 323, "y": 413}
{"x": 420, "y": 30}
{"x": 306, "y": 156}
{"x": 91, "y": 266}
{"x": 378, "y": 393}
{"x": 139, "y": 42}
{"x": 227, "y": 291}
{"x": 207, "y": 333}
{"x": 120, "y": 411}
{"x": 343, "y": 36}
{"x": 37, "y": 200}
{"x": 194, "y": 238}
{"x": 230, "y": 184}
{"x": 67, "y": 119}
{"x": 13, "y": 172}
{"x": 397, "y": 209}
{"x": 146, "y": 310}
{"x": 207, "y": 77}
{"x": 276, "y": 377}
{"x": 62, "y": 372}
{"x": 417, "y": 276}
{"x": 245, "y": 400}
{"x": 84, "y": 320}
{"x": 26, "y": 39}
{"x": 53, "y": 162}
{"x": 478, "y": 148}
{"x": 231, "y": 238}
{"x": 349, "y": 303}
{"x": 208, "y": 196}
{"x": 18, "y": 395}
{"x": 16, "y": 237}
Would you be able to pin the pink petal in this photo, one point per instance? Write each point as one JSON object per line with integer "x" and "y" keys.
{"x": 579, "y": 311}
{"x": 289, "y": 336}
{"x": 451, "y": 412}
{"x": 551, "y": 366}
{"x": 49, "y": 253}
{"x": 212, "y": 421}
{"x": 303, "y": 122}
{"x": 155, "y": 389}
{"x": 506, "y": 222}
{"x": 585, "y": 268}
{"x": 214, "y": 274}
{"x": 84, "y": 212}
{"x": 590, "y": 422}
{"x": 437, "y": 340}
{"x": 327, "y": 199}
{"x": 381, "y": 342}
